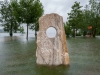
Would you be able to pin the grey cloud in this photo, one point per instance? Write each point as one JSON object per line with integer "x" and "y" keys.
{"x": 61, "y": 7}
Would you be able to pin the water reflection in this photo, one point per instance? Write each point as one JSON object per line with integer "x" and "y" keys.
{"x": 17, "y": 57}
{"x": 53, "y": 70}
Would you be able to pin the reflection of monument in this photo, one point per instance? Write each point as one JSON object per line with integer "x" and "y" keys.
{"x": 51, "y": 51}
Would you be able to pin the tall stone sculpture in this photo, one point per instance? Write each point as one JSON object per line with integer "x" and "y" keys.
{"x": 51, "y": 51}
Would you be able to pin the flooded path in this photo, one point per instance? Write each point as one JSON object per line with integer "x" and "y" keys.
{"x": 17, "y": 57}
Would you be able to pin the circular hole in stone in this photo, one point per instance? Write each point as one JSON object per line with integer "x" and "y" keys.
{"x": 51, "y": 32}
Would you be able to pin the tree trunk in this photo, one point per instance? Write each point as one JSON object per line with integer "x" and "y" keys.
{"x": 35, "y": 32}
{"x": 74, "y": 33}
{"x": 84, "y": 33}
{"x": 27, "y": 32}
{"x": 11, "y": 31}
{"x": 95, "y": 30}
{"x": 94, "y": 33}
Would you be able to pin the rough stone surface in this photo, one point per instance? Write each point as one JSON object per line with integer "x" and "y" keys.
{"x": 51, "y": 51}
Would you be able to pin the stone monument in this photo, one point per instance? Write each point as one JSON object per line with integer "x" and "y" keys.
{"x": 51, "y": 51}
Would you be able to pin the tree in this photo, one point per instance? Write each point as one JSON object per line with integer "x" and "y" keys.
{"x": 35, "y": 27}
{"x": 95, "y": 15}
{"x": 82, "y": 19}
{"x": 75, "y": 17}
{"x": 85, "y": 21}
{"x": 31, "y": 10}
{"x": 8, "y": 19}
{"x": 21, "y": 29}
{"x": 67, "y": 29}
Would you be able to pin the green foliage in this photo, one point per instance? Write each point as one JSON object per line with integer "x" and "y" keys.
{"x": 67, "y": 29}
{"x": 75, "y": 17}
{"x": 15, "y": 12}
{"x": 8, "y": 19}
{"x": 35, "y": 26}
{"x": 95, "y": 16}
{"x": 21, "y": 29}
{"x": 28, "y": 11}
{"x": 31, "y": 9}
{"x": 81, "y": 19}
{"x": 85, "y": 21}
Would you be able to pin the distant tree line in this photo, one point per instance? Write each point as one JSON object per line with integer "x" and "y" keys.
{"x": 79, "y": 20}
{"x": 15, "y": 12}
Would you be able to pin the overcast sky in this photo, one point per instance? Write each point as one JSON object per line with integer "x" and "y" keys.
{"x": 61, "y": 7}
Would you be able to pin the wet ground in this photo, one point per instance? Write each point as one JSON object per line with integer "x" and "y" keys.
{"x": 17, "y": 57}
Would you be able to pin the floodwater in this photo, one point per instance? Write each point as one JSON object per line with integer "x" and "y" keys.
{"x": 17, "y": 57}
